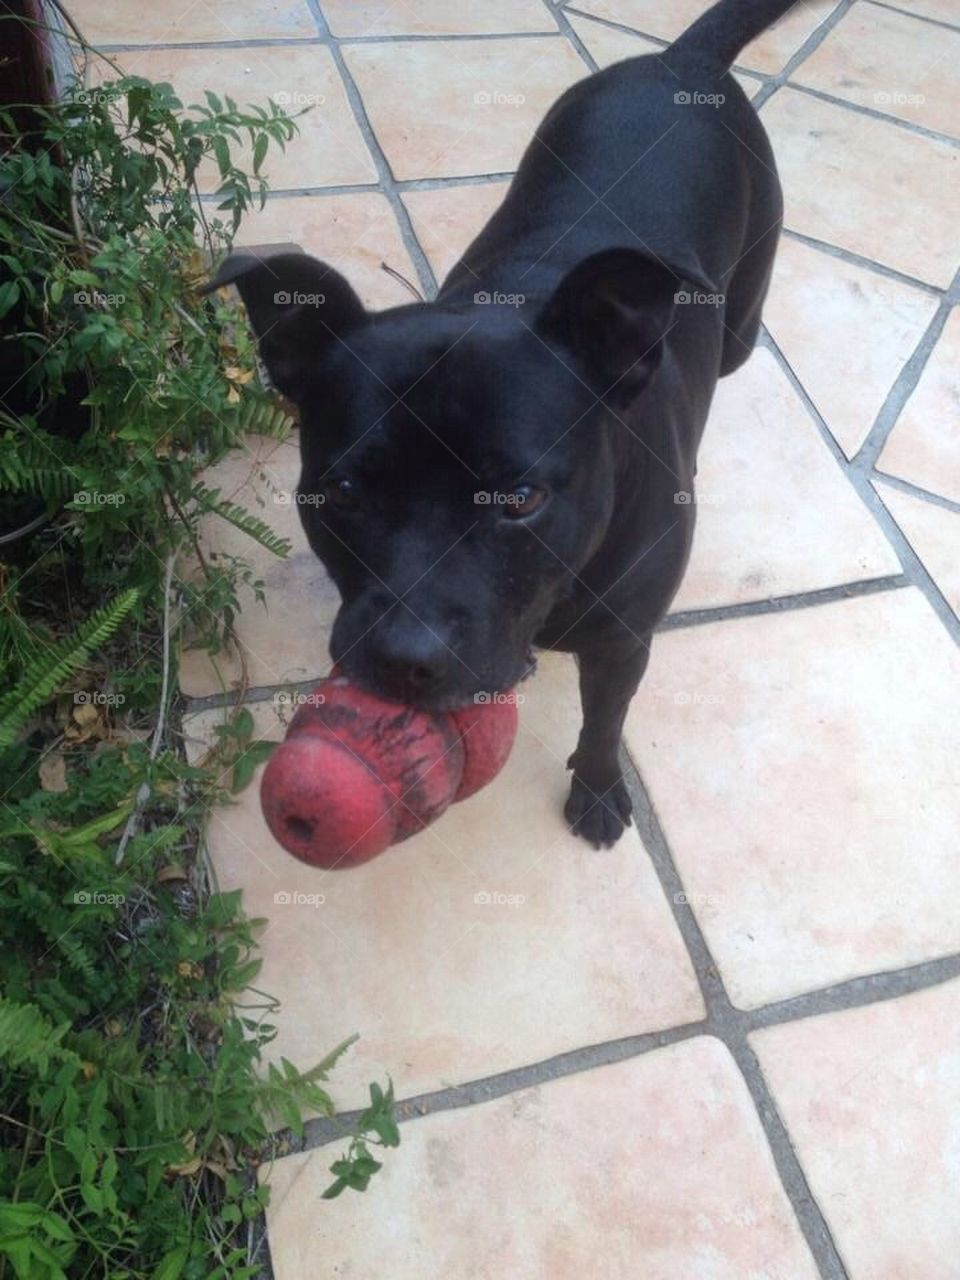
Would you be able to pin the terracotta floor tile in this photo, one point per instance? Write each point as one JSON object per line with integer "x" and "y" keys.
{"x": 353, "y": 233}
{"x": 803, "y": 768}
{"x": 892, "y": 63}
{"x": 924, "y": 446}
{"x": 655, "y": 1167}
{"x": 608, "y": 45}
{"x": 447, "y": 219}
{"x": 286, "y": 639}
{"x": 454, "y": 108}
{"x": 866, "y": 185}
{"x": 776, "y": 516}
{"x": 871, "y": 1098}
{"x": 846, "y": 331}
{"x": 329, "y": 150}
{"x": 120, "y": 22}
{"x": 769, "y": 54}
{"x": 934, "y": 534}
{"x": 445, "y": 988}
{"x": 434, "y": 17}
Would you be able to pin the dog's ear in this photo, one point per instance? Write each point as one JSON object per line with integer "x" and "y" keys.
{"x": 613, "y": 310}
{"x": 298, "y": 307}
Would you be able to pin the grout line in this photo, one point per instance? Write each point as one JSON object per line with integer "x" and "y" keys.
{"x": 920, "y": 17}
{"x": 799, "y": 56}
{"x": 780, "y": 604}
{"x": 917, "y": 491}
{"x": 323, "y": 1130}
{"x": 868, "y": 264}
{"x": 437, "y": 184}
{"x": 867, "y": 455}
{"x": 261, "y": 42}
{"x": 856, "y": 993}
{"x": 725, "y": 1022}
{"x": 911, "y": 126}
{"x": 914, "y": 569}
{"x": 428, "y": 281}
{"x": 567, "y": 29}
{"x": 672, "y": 622}
{"x": 365, "y": 188}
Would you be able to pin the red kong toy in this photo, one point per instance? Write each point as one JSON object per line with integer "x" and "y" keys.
{"x": 356, "y": 773}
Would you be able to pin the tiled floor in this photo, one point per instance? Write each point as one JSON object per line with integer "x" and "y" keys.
{"x": 729, "y": 1047}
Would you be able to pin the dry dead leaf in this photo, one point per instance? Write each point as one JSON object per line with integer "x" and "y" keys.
{"x": 170, "y": 873}
{"x": 53, "y": 772}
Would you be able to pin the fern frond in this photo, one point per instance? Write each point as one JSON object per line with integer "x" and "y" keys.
{"x": 29, "y": 1038}
{"x": 264, "y": 418}
{"x": 240, "y": 518}
{"x": 254, "y": 528}
{"x": 57, "y": 663}
{"x": 28, "y": 458}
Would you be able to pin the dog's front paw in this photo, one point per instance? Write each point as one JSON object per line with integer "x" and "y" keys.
{"x": 598, "y": 813}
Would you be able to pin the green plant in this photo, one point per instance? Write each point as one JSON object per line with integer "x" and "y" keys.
{"x": 137, "y": 1100}
{"x": 126, "y": 380}
{"x": 131, "y": 1043}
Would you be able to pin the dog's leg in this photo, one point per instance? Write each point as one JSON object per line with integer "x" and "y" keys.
{"x": 599, "y": 807}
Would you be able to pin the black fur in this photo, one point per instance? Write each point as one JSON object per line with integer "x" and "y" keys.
{"x": 568, "y": 365}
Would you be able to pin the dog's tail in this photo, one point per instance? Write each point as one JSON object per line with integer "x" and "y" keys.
{"x": 717, "y": 36}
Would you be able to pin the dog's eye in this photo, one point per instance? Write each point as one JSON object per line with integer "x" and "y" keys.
{"x": 343, "y": 494}
{"x": 523, "y": 501}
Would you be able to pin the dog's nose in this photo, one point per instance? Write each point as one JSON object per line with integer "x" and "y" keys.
{"x": 412, "y": 664}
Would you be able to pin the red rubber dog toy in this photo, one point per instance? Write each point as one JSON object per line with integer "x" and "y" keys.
{"x": 356, "y": 773}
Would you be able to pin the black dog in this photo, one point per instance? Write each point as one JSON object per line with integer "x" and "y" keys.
{"x": 512, "y": 465}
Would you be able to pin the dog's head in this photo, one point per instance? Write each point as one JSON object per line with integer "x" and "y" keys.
{"x": 460, "y": 464}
